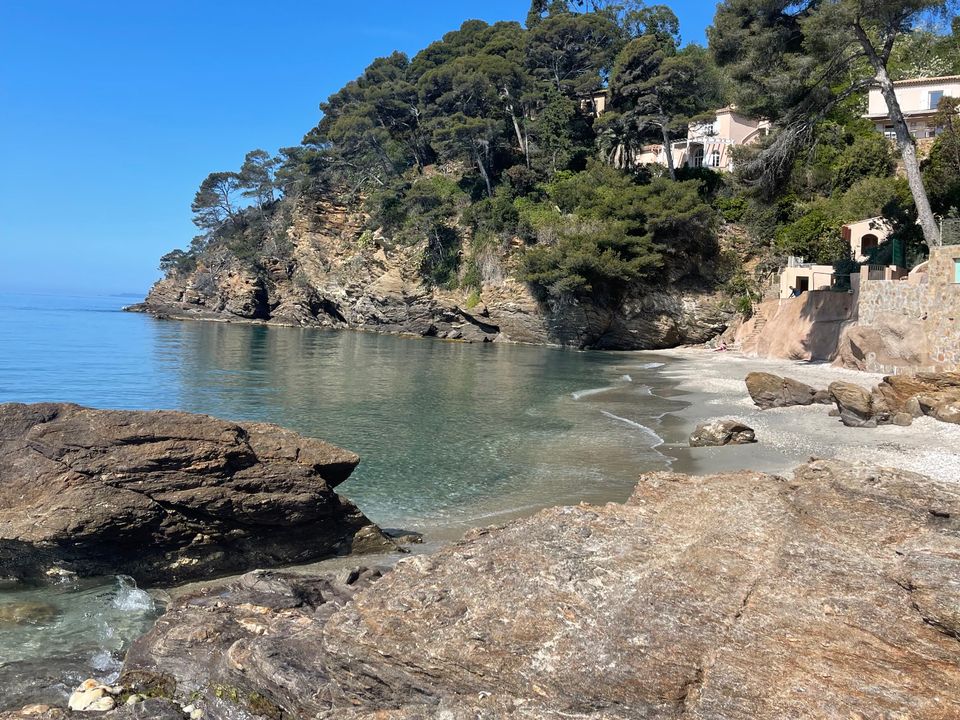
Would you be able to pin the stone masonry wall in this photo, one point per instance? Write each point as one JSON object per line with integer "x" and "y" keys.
{"x": 933, "y": 303}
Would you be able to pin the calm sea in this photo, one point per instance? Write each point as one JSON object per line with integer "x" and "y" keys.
{"x": 450, "y": 435}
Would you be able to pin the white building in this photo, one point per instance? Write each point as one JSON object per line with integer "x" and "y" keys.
{"x": 708, "y": 144}
{"x": 918, "y": 99}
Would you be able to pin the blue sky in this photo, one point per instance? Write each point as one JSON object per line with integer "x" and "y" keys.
{"x": 111, "y": 113}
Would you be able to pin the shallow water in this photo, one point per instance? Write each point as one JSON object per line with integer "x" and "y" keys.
{"x": 450, "y": 435}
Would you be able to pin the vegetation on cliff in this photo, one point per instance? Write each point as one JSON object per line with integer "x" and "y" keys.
{"x": 484, "y": 149}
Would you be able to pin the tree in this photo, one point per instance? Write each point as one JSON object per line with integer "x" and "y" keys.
{"x": 573, "y": 51}
{"x": 793, "y": 62}
{"x": 256, "y": 177}
{"x": 214, "y": 203}
{"x": 654, "y": 87}
{"x": 942, "y": 169}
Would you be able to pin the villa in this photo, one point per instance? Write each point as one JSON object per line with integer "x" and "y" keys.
{"x": 918, "y": 99}
{"x": 708, "y": 144}
{"x": 862, "y": 237}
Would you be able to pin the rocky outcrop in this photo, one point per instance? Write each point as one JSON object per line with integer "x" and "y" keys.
{"x": 166, "y": 496}
{"x": 769, "y": 391}
{"x": 722, "y": 432}
{"x": 337, "y": 276}
{"x": 899, "y": 399}
{"x": 804, "y": 328}
{"x": 891, "y": 341}
{"x": 740, "y": 596}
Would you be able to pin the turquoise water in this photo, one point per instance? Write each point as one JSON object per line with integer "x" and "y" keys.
{"x": 450, "y": 435}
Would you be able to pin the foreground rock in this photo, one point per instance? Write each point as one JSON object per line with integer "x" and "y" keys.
{"x": 166, "y": 496}
{"x": 722, "y": 432}
{"x": 772, "y": 391}
{"x": 731, "y": 597}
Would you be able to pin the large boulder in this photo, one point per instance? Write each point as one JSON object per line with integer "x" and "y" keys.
{"x": 769, "y": 391}
{"x": 736, "y": 596}
{"x": 722, "y": 432}
{"x": 855, "y": 404}
{"x": 166, "y": 496}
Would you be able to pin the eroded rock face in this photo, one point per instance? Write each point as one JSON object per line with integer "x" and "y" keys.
{"x": 741, "y": 596}
{"x": 332, "y": 279}
{"x": 769, "y": 391}
{"x": 166, "y": 496}
{"x": 722, "y": 432}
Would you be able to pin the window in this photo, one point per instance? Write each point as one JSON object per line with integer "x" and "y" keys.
{"x": 714, "y": 159}
{"x": 696, "y": 157}
{"x": 889, "y": 132}
{"x": 935, "y": 97}
{"x": 956, "y": 270}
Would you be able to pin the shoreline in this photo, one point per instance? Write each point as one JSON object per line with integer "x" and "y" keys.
{"x": 713, "y": 385}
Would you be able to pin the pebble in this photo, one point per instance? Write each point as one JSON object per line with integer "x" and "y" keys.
{"x": 93, "y": 696}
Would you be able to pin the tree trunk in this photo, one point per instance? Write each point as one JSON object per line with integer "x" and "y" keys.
{"x": 668, "y": 151}
{"x": 484, "y": 175}
{"x": 905, "y": 142}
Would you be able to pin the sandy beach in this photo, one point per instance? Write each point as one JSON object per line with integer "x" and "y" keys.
{"x": 713, "y": 385}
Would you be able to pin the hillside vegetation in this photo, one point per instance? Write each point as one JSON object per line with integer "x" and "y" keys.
{"x": 482, "y": 155}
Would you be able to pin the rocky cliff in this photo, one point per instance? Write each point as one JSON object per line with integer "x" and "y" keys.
{"x": 335, "y": 275}
{"x": 740, "y": 596}
{"x": 166, "y": 496}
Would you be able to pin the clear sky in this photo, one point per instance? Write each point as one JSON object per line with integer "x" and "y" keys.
{"x": 111, "y": 113}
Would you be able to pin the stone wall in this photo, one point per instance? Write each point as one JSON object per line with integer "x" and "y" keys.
{"x": 909, "y": 325}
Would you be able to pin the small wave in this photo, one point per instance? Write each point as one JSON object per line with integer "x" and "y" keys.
{"x": 592, "y": 391}
{"x": 658, "y": 441}
{"x": 626, "y": 378}
{"x": 130, "y": 598}
{"x": 651, "y": 365}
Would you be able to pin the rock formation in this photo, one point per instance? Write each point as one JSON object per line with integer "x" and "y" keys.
{"x": 899, "y": 399}
{"x": 740, "y": 596}
{"x": 334, "y": 279}
{"x": 769, "y": 391}
{"x": 722, "y": 432}
{"x": 166, "y": 496}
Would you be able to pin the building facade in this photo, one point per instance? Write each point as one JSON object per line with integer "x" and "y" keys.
{"x": 918, "y": 99}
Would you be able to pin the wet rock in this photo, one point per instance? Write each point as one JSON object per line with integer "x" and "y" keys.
{"x": 770, "y": 391}
{"x": 740, "y": 596}
{"x": 722, "y": 432}
{"x": 27, "y": 613}
{"x": 166, "y": 496}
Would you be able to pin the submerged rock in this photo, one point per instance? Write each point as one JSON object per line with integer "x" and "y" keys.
{"x": 166, "y": 496}
{"x": 722, "y": 432}
{"x": 740, "y": 596}
{"x": 27, "y": 613}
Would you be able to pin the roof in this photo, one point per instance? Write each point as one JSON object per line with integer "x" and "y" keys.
{"x": 924, "y": 81}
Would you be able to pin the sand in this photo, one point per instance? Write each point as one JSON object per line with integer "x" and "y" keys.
{"x": 712, "y": 384}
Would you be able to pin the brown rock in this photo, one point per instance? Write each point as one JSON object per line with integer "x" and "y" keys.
{"x": 854, "y": 403}
{"x": 903, "y": 419}
{"x": 722, "y": 432}
{"x": 740, "y": 596}
{"x": 769, "y": 391}
{"x": 165, "y": 496}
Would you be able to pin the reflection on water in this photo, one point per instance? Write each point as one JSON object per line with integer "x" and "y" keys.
{"x": 450, "y": 435}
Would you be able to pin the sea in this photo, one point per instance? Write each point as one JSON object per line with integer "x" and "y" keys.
{"x": 450, "y": 435}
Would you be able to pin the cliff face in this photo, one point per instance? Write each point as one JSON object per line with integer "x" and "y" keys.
{"x": 335, "y": 275}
